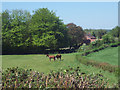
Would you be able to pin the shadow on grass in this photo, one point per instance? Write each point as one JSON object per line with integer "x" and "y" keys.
{"x": 60, "y": 59}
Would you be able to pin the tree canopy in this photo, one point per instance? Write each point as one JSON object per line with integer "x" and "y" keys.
{"x": 76, "y": 34}
{"x": 48, "y": 30}
{"x": 43, "y": 29}
{"x": 115, "y": 32}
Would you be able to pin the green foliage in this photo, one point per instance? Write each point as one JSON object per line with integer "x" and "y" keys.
{"x": 22, "y": 31}
{"x": 47, "y": 29}
{"x": 103, "y": 46}
{"x": 108, "y": 39}
{"x": 14, "y": 29}
{"x": 69, "y": 78}
{"x": 98, "y": 33}
{"x": 114, "y": 44}
{"x": 115, "y": 32}
{"x": 95, "y": 44}
{"x": 117, "y": 73}
{"x": 84, "y": 47}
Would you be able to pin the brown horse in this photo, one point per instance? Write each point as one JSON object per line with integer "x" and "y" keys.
{"x": 50, "y": 57}
{"x": 58, "y": 56}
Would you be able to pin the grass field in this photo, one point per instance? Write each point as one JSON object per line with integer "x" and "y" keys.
{"x": 109, "y": 55}
{"x": 41, "y": 63}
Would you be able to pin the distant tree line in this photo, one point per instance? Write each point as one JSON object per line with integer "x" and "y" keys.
{"x": 98, "y": 33}
{"x": 112, "y": 36}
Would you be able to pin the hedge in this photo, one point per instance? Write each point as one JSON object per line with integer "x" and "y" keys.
{"x": 104, "y": 66}
{"x": 100, "y": 48}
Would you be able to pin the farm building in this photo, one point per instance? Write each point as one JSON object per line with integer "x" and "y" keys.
{"x": 90, "y": 37}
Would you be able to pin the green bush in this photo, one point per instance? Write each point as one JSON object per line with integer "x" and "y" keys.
{"x": 114, "y": 44}
{"x": 84, "y": 47}
{"x": 107, "y": 39}
{"x": 103, "y": 46}
{"x": 96, "y": 44}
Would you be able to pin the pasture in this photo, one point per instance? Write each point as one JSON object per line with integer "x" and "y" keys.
{"x": 41, "y": 63}
{"x": 108, "y": 55}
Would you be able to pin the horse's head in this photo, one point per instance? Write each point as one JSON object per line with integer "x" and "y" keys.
{"x": 58, "y": 55}
{"x": 47, "y": 55}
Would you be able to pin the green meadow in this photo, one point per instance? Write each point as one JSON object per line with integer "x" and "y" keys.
{"x": 108, "y": 55}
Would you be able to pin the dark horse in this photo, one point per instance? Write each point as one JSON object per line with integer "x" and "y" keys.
{"x": 58, "y": 56}
{"x": 50, "y": 57}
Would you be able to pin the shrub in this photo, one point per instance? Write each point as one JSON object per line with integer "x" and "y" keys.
{"x": 114, "y": 44}
{"x": 95, "y": 44}
{"x": 107, "y": 39}
{"x": 84, "y": 47}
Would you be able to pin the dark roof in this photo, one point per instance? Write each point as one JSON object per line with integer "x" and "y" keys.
{"x": 89, "y": 35}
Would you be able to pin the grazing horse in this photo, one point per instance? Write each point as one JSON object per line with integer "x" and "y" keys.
{"x": 58, "y": 56}
{"x": 50, "y": 57}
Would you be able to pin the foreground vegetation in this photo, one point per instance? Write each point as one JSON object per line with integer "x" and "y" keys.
{"x": 70, "y": 78}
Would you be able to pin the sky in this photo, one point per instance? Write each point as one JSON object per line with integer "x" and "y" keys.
{"x": 88, "y": 15}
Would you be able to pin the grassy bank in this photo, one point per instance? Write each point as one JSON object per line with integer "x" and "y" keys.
{"x": 108, "y": 55}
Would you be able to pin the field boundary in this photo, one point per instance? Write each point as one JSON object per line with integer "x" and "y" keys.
{"x": 100, "y": 48}
{"x": 102, "y": 65}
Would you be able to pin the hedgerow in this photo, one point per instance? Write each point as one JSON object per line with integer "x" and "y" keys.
{"x": 85, "y": 53}
{"x": 104, "y": 66}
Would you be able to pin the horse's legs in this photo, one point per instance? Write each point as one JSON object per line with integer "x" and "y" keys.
{"x": 50, "y": 59}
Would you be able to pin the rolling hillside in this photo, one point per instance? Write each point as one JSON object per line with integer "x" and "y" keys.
{"x": 108, "y": 55}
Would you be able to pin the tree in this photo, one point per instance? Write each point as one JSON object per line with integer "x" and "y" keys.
{"x": 47, "y": 30}
{"x": 42, "y": 30}
{"x": 93, "y": 33}
{"x": 76, "y": 34}
{"x": 100, "y": 33}
{"x": 5, "y": 30}
{"x": 108, "y": 39}
{"x": 115, "y": 32}
{"x": 15, "y": 29}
